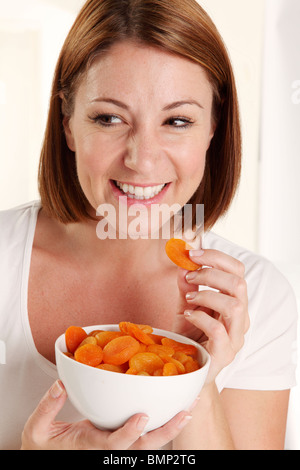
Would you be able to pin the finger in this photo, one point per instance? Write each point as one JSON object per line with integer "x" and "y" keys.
{"x": 214, "y": 330}
{"x": 218, "y": 259}
{"x": 218, "y": 344}
{"x": 232, "y": 310}
{"x": 184, "y": 288}
{"x": 124, "y": 437}
{"x": 225, "y": 282}
{"x": 157, "y": 438}
{"x": 40, "y": 421}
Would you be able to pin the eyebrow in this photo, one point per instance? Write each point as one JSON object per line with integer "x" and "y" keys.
{"x": 110, "y": 100}
{"x": 168, "y": 107}
{"x": 177, "y": 104}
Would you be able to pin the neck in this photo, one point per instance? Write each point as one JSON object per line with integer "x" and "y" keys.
{"x": 139, "y": 251}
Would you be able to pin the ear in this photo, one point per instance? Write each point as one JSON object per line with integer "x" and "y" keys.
{"x": 67, "y": 126}
{"x": 211, "y": 134}
{"x": 68, "y": 133}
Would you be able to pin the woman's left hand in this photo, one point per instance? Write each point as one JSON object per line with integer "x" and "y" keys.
{"x": 218, "y": 319}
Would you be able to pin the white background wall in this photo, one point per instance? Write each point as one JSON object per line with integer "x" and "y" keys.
{"x": 262, "y": 39}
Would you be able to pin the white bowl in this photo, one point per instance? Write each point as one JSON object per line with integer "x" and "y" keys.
{"x": 109, "y": 399}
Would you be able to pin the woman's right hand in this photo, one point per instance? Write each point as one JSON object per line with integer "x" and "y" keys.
{"x": 42, "y": 432}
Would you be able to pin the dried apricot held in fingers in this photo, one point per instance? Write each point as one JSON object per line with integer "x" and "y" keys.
{"x": 178, "y": 252}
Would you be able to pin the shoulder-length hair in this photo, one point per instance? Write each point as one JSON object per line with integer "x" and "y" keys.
{"x": 180, "y": 27}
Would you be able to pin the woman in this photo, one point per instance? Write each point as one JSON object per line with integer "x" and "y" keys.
{"x": 143, "y": 106}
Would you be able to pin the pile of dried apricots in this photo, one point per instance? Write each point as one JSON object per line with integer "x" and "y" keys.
{"x": 134, "y": 349}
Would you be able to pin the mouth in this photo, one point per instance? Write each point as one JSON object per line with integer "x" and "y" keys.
{"x": 139, "y": 192}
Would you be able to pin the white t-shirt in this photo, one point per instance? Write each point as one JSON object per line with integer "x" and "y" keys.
{"x": 266, "y": 362}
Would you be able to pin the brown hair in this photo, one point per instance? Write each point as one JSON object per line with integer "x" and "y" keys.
{"x": 181, "y": 27}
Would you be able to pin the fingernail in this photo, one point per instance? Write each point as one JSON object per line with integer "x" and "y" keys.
{"x": 196, "y": 253}
{"x": 190, "y": 276}
{"x": 57, "y": 389}
{"x": 142, "y": 423}
{"x": 187, "y": 313}
{"x": 186, "y": 419}
{"x": 191, "y": 295}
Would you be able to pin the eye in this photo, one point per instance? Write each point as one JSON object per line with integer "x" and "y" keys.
{"x": 179, "y": 122}
{"x": 106, "y": 120}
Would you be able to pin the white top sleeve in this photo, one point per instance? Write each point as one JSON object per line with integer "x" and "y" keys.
{"x": 267, "y": 360}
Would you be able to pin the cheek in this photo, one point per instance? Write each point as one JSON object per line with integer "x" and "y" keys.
{"x": 90, "y": 156}
{"x": 192, "y": 159}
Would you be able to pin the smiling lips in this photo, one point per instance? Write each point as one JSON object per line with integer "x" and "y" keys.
{"x": 139, "y": 192}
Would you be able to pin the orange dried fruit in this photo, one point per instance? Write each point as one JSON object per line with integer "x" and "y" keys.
{"x": 191, "y": 366}
{"x": 178, "y": 252}
{"x": 104, "y": 337}
{"x": 156, "y": 338}
{"x": 189, "y": 349}
{"x": 170, "y": 369}
{"x": 94, "y": 332}
{"x": 88, "y": 340}
{"x": 113, "y": 368}
{"x": 168, "y": 359}
{"x": 74, "y": 335}
{"x": 143, "y": 347}
{"x": 182, "y": 357}
{"x": 89, "y": 354}
{"x": 135, "y": 331}
{"x": 160, "y": 348}
{"x": 131, "y": 371}
{"x": 120, "y": 350}
{"x": 146, "y": 362}
{"x": 68, "y": 354}
{"x": 146, "y": 328}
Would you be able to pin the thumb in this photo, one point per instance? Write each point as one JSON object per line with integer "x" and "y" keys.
{"x": 46, "y": 411}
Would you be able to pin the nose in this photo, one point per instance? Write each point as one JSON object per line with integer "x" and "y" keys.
{"x": 142, "y": 151}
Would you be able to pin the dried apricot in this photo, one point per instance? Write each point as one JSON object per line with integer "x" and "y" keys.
{"x": 189, "y": 349}
{"x": 146, "y": 362}
{"x": 156, "y": 338}
{"x": 94, "y": 332}
{"x": 168, "y": 359}
{"x": 88, "y": 340}
{"x": 120, "y": 350}
{"x": 131, "y": 371}
{"x": 89, "y": 354}
{"x": 74, "y": 335}
{"x": 135, "y": 331}
{"x": 113, "y": 368}
{"x": 160, "y": 348}
{"x": 170, "y": 369}
{"x": 146, "y": 328}
{"x": 178, "y": 252}
{"x": 182, "y": 357}
{"x": 191, "y": 366}
{"x": 104, "y": 337}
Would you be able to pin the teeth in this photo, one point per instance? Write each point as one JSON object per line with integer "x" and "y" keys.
{"x": 139, "y": 192}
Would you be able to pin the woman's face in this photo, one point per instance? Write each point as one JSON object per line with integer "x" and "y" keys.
{"x": 141, "y": 126}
